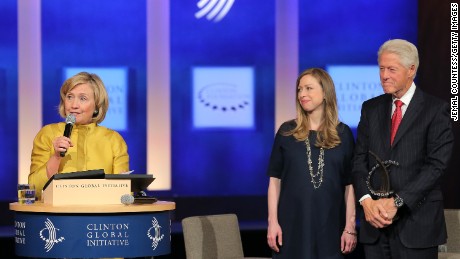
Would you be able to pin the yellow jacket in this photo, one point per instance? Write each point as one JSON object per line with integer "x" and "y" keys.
{"x": 94, "y": 147}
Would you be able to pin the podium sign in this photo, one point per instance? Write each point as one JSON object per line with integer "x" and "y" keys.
{"x": 92, "y": 235}
{"x": 86, "y": 191}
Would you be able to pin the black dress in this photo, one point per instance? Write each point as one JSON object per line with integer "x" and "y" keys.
{"x": 312, "y": 220}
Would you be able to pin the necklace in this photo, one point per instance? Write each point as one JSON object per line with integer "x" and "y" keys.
{"x": 316, "y": 178}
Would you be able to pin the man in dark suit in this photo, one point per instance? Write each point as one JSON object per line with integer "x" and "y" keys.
{"x": 412, "y": 128}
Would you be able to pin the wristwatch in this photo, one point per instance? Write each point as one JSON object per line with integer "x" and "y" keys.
{"x": 399, "y": 202}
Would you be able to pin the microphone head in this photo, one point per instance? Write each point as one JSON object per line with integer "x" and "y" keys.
{"x": 70, "y": 119}
{"x": 127, "y": 199}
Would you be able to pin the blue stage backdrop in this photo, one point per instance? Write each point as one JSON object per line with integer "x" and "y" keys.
{"x": 8, "y": 98}
{"x": 104, "y": 35}
{"x": 222, "y": 95}
{"x": 344, "y": 37}
{"x": 222, "y": 76}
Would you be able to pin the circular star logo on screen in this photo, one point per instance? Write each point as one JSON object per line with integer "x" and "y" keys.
{"x": 222, "y": 97}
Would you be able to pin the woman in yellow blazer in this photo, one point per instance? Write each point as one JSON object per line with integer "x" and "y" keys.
{"x": 90, "y": 146}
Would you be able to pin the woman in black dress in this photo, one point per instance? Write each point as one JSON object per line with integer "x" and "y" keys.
{"x": 311, "y": 203}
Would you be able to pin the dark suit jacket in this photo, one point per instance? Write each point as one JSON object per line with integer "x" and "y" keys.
{"x": 423, "y": 147}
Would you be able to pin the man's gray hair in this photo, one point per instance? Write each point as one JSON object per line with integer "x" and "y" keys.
{"x": 407, "y": 52}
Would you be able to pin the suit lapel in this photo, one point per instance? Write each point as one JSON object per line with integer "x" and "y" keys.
{"x": 384, "y": 114}
{"x": 414, "y": 108}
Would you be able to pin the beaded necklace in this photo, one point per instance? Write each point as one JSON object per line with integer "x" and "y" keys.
{"x": 319, "y": 174}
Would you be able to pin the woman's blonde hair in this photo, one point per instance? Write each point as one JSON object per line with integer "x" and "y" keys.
{"x": 327, "y": 136}
{"x": 101, "y": 98}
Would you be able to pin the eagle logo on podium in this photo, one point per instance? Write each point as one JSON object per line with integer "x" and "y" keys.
{"x": 154, "y": 233}
{"x": 51, "y": 232}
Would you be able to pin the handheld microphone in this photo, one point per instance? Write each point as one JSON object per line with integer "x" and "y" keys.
{"x": 127, "y": 199}
{"x": 69, "y": 122}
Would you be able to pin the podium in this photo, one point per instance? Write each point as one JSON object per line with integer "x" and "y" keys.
{"x": 99, "y": 227}
{"x": 90, "y": 231}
